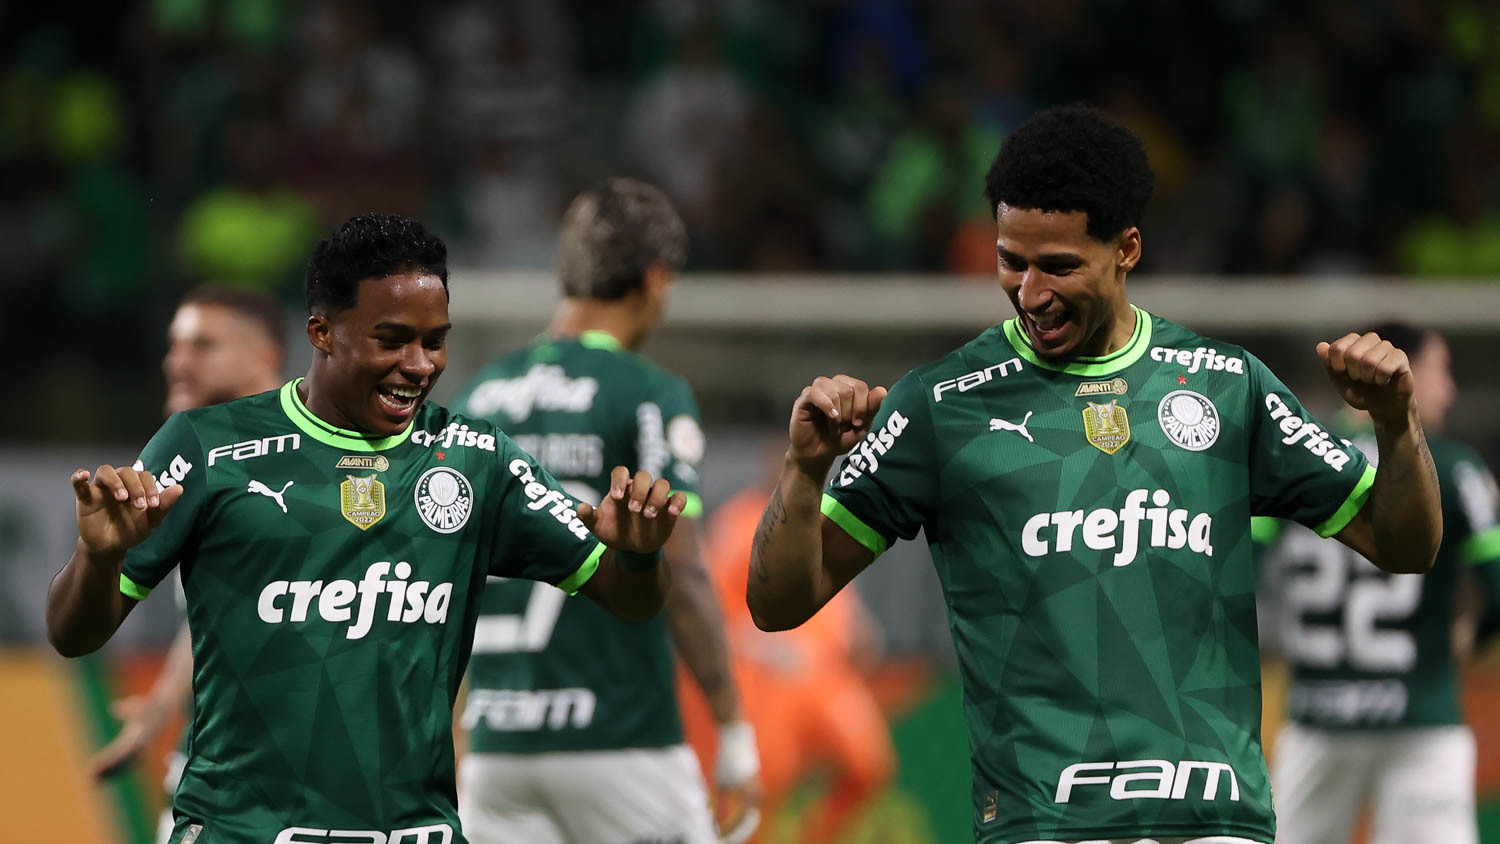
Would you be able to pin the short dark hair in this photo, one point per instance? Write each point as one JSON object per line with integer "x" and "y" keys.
{"x": 1403, "y": 335}
{"x": 370, "y": 246}
{"x": 611, "y": 234}
{"x": 258, "y": 306}
{"x": 1074, "y": 158}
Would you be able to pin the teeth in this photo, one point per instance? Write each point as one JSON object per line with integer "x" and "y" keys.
{"x": 404, "y": 392}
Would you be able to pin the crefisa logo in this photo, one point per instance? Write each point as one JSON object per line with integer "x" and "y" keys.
{"x": 444, "y": 499}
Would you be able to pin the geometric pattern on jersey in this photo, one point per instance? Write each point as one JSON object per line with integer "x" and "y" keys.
{"x": 1089, "y": 523}
{"x": 328, "y": 650}
{"x": 552, "y": 673}
{"x": 1369, "y": 649}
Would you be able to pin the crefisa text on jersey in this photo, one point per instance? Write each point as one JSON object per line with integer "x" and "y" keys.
{"x": 1199, "y": 358}
{"x": 1313, "y": 438}
{"x": 865, "y": 456}
{"x": 455, "y": 434}
{"x": 543, "y": 496}
{"x": 408, "y": 604}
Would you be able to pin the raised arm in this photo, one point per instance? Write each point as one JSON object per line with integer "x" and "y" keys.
{"x": 117, "y": 507}
{"x": 799, "y": 559}
{"x": 1400, "y": 527}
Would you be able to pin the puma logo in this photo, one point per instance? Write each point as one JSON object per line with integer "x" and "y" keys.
{"x": 1018, "y": 427}
{"x": 258, "y": 487}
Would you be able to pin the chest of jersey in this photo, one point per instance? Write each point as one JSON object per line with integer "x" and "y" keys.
{"x": 1102, "y": 470}
{"x": 362, "y": 543}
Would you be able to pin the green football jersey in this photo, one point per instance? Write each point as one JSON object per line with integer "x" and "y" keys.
{"x": 332, "y": 584}
{"x": 1090, "y": 526}
{"x": 1369, "y": 649}
{"x": 552, "y": 673}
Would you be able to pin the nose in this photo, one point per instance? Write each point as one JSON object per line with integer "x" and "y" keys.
{"x": 418, "y": 361}
{"x": 1034, "y": 294}
{"x": 174, "y": 361}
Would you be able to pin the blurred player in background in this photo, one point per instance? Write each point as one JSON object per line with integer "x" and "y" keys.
{"x": 574, "y": 734}
{"x": 1374, "y": 657}
{"x": 223, "y": 343}
{"x": 804, "y": 689}
{"x": 1085, "y": 474}
{"x": 334, "y": 537}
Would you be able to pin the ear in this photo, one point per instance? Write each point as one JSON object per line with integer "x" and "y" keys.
{"x": 657, "y": 279}
{"x": 1130, "y": 249}
{"x": 320, "y": 333}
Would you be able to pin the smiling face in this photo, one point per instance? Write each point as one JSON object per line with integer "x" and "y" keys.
{"x": 1067, "y": 287}
{"x": 376, "y": 362}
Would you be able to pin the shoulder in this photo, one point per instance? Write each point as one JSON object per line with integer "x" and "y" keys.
{"x": 981, "y": 360}
{"x": 239, "y": 419}
{"x": 1174, "y": 343}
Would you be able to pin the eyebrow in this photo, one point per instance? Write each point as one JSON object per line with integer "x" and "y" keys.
{"x": 1050, "y": 259}
{"x": 401, "y": 326}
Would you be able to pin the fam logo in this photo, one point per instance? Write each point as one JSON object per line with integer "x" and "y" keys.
{"x": 444, "y": 499}
{"x": 1188, "y": 419}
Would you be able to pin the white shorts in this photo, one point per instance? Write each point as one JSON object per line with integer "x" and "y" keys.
{"x": 1418, "y": 781}
{"x": 601, "y": 797}
{"x": 1211, "y": 839}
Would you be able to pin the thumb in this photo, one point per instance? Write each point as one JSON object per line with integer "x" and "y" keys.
{"x": 588, "y": 514}
{"x": 1322, "y": 350}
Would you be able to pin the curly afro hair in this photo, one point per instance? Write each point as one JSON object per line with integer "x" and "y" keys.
{"x": 369, "y": 246}
{"x": 1073, "y": 158}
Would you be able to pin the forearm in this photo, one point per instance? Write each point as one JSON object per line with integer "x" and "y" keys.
{"x": 84, "y": 603}
{"x": 1405, "y": 505}
{"x": 626, "y": 588}
{"x": 697, "y": 626}
{"x": 786, "y": 584}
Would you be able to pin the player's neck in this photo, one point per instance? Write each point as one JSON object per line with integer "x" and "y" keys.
{"x": 1113, "y": 336}
{"x": 619, "y": 319}
{"x": 319, "y": 401}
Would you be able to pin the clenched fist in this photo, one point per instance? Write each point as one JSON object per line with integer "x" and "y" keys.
{"x": 1370, "y": 374}
{"x": 830, "y": 416}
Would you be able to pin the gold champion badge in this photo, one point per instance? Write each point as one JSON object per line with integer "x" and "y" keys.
{"x": 1106, "y": 426}
{"x": 362, "y": 500}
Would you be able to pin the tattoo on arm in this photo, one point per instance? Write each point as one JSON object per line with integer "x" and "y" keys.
{"x": 774, "y": 517}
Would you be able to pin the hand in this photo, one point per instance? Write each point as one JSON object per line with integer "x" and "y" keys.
{"x": 737, "y": 775}
{"x": 636, "y": 514}
{"x": 118, "y": 507}
{"x": 1370, "y": 374}
{"x": 737, "y": 810}
{"x": 830, "y": 416}
{"x": 142, "y": 718}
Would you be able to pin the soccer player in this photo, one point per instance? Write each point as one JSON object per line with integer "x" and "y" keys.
{"x": 223, "y": 343}
{"x": 574, "y": 733}
{"x": 1085, "y": 474}
{"x": 1374, "y": 701}
{"x": 334, "y": 538}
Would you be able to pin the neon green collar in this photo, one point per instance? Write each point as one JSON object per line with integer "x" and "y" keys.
{"x": 295, "y": 410}
{"x": 596, "y": 338}
{"x": 1140, "y": 340}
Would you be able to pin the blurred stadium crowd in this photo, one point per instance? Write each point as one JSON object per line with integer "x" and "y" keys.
{"x": 149, "y": 145}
